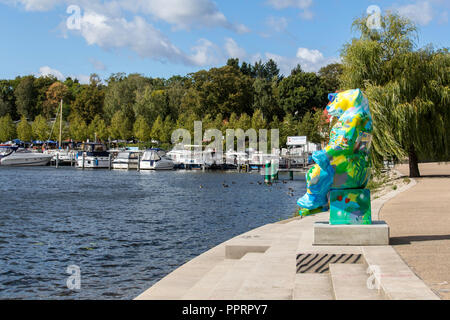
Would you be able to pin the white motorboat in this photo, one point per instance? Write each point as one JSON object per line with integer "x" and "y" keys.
{"x": 93, "y": 155}
{"x": 7, "y": 149}
{"x": 23, "y": 157}
{"x": 126, "y": 160}
{"x": 63, "y": 156}
{"x": 156, "y": 159}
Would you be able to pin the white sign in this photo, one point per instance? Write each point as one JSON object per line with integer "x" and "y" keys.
{"x": 296, "y": 141}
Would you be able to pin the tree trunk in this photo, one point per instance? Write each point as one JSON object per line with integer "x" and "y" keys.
{"x": 413, "y": 163}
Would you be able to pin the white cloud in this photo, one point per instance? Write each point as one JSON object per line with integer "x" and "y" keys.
{"x": 311, "y": 60}
{"x": 97, "y": 64}
{"x": 204, "y": 53}
{"x": 233, "y": 50}
{"x": 303, "y": 5}
{"x": 47, "y": 71}
{"x": 278, "y": 24}
{"x": 34, "y": 5}
{"x": 82, "y": 78}
{"x": 310, "y": 56}
{"x": 137, "y": 34}
{"x": 420, "y": 12}
{"x": 282, "y": 4}
{"x": 119, "y": 24}
{"x": 184, "y": 14}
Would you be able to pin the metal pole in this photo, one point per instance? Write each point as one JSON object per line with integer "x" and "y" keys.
{"x": 109, "y": 161}
{"x": 139, "y": 163}
{"x": 57, "y": 160}
{"x": 82, "y": 154}
{"x": 60, "y": 126}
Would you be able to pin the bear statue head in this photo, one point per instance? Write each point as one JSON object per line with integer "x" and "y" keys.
{"x": 342, "y": 101}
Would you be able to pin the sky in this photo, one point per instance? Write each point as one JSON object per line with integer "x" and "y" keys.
{"x": 161, "y": 38}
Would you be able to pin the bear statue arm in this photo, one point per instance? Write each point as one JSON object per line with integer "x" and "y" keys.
{"x": 344, "y": 143}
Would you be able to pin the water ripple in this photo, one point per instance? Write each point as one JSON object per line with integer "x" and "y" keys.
{"x": 124, "y": 230}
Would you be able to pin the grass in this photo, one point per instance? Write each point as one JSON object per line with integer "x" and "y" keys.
{"x": 377, "y": 182}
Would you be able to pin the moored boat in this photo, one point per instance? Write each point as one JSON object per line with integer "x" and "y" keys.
{"x": 23, "y": 157}
{"x": 125, "y": 160}
{"x": 156, "y": 159}
{"x": 93, "y": 155}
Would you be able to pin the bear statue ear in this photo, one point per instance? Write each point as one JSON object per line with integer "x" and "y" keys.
{"x": 331, "y": 97}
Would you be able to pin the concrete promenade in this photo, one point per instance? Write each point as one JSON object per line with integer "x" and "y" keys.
{"x": 419, "y": 219}
{"x": 279, "y": 261}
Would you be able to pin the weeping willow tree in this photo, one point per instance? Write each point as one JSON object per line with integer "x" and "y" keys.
{"x": 408, "y": 90}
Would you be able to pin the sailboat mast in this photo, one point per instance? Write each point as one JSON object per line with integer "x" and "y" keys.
{"x": 60, "y": 125}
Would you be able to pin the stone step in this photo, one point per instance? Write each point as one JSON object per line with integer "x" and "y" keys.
{"x": 203, "y": 288}
{"x": 349, "y": 282}
{"x": 396, "y": 279}
{"x": 313, "y": 286}
{"x": 232, "y": 280}
{"x": 272, "y": 278}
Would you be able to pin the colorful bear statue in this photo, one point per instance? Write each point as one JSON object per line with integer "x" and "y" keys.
{"x": 342, "y": 169}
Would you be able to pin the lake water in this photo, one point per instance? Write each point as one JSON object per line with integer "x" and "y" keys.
{"x": 125, "y": 230}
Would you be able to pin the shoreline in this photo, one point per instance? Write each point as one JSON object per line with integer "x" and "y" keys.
{"x": 215, "y": 273}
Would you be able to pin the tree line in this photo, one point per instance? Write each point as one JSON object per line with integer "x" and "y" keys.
{"x": 237, "y": 95}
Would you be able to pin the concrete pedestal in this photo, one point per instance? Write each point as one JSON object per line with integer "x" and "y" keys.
{"x": 375, "y": 234}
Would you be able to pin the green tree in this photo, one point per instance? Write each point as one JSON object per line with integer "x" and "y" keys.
{"x": 24, "y": 130}
{"x": 141, "y": 129}
{"x": 314, "y": 126}
{"x": 26, "y": 95}
{"x": 41, "y": 86}
{"x": 121, "y": 95}
{"x": 40, "y": 128}
{"x": 288, "y": 127}
{"x": 265, "y": 97}
{"x": 55, "y": 130}
{"x": 151, "y": 103}
{"x": 7, "y": 128}
{"x": 258, "y": 121}
{"x": 7, "y": 99}
{"x": 244, "y": 122}
{"x": 157, "y": 131}
{"x": 329, "y": 76}
{"x": 301, "y": 92}
{"x": 77, "y": 128}
{"x": 54, "y": 94}
{"x": 89, "y": 101}
{"x": 219, "y": 90}
{"x": 168, "y": 127}
{"x": 408, "y": 91}
{"x": 98, "y": 129}
{"x": 121, "y": 127}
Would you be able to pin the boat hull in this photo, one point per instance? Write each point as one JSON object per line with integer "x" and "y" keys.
{"x": 156, "y": 165}
{"x": 124, "y": 165}
{"x": 93, "y": 162}
{"x": 25, "y": 161}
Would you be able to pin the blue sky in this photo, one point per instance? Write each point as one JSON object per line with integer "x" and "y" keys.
{"x": 161, "y": 38}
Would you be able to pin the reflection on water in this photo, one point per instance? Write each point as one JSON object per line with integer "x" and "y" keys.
{"x": 125, "y": 230}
